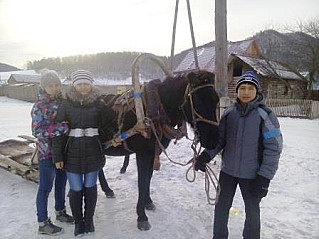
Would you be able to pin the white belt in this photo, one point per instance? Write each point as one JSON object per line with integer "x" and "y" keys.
{"x": 88, "y": 132}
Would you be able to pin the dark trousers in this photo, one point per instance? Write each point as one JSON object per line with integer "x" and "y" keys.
{"x": 48, "y": 175}
{"x": 228, "y": 185}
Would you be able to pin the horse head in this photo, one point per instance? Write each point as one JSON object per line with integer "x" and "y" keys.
{"x": 199, "y": 107}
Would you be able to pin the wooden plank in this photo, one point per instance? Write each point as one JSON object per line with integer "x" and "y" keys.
{"x": 9, "y": 164}
{"x": 28, "y": 138}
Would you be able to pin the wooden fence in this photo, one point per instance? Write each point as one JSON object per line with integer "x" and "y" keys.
{"x": 1, "y": 90}
{"x": 25, "y": 92}
{"x": 294, "y": 108}
{"x": 29, "y": 92}
{"x": 281, "y": 107}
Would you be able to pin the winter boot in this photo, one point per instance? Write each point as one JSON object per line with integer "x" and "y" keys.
{"x": 76, "y": 201}
{"x": 62, "y": 216}
{"x": 90, "y": 198}
{"x": 48, "y": 228}
{"x": 79, "y": 229}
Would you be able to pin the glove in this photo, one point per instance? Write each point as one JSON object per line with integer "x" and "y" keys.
{"x": 259, "y": 186}
{"x": 201, "y": 161}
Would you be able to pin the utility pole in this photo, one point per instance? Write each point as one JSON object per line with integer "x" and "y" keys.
{"x": 221, "y": 55}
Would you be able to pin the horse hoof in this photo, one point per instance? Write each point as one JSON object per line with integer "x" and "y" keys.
{"x": 110, "y": 194}
{"x": 151, "y": 207}
{"x": 144, "y": 226}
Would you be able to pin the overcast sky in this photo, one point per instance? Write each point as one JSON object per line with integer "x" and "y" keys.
{"x": 34, "y": 29}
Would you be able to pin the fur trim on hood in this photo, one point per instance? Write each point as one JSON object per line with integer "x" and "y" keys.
{"x": 74, "y": 96}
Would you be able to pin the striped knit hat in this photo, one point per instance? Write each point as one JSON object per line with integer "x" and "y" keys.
{"x": 248, "y": 77}
{"x": 81, "y": 76}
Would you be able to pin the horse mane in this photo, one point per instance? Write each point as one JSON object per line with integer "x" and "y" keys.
{"x": 171, "y": 93}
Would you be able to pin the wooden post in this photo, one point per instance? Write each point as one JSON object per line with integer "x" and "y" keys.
{"x": 173, "y": 35}
{"x": 221, "y": 54}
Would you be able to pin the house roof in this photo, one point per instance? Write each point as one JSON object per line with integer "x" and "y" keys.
{"x": 4, "y": 76}
{"x": 206, "y": 56}
{"x": 268, "y": 68}
{"x": 25, "y": 78}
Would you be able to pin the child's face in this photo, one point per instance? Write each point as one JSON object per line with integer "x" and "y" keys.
{"x": 83, "y": 88}
{"x": 53, "y": 89}
{"x": 246, "y": 93}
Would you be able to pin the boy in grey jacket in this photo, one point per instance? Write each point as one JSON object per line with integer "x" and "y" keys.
{"x": 251, "y": 144}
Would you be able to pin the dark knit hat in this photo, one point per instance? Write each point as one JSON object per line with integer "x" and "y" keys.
{"x": 48, "y": 77}
{"x": 248, "y": 77}
{"x": 81, "y": 76}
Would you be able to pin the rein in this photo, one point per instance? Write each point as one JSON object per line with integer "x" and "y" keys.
{"x": 210, "y": 176}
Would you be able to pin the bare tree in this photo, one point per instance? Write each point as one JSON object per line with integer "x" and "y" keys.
{"x": 306, "y": 48}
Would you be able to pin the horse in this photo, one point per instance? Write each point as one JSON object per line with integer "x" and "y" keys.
{"x": 189, "y": 97}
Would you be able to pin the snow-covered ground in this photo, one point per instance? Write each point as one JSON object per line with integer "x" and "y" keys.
{"x": 291, "y": 209}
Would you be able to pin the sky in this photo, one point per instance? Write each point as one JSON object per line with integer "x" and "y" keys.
{"x": 290, "y": 209}
{"x": 35, "y": 29}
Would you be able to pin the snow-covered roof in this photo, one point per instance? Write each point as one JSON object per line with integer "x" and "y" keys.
{"x": 206, "y": 56}
{"x": 269, "y": 68}
{"x": 24, "y": 78}
{"x": 4, "y": 76}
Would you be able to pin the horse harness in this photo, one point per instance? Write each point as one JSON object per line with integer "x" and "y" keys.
{"x": 156, "y": 120}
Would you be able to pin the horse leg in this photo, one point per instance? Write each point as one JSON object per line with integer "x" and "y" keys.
{"x": 144, "y": 164}
{"x": 105, "y": 186}
{"x": 157, "y": 162}
{"x": 125, "y": 163}
{"x": 149, "y": 205}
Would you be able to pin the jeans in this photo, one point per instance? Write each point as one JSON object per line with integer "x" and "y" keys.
{"x": 78, "y": 181}
{"x": 47, "y": 173}
{"x": 228, "y": 185}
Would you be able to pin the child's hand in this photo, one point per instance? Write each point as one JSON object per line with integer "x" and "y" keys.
{"x": 59, "y": 165}
{"x": 201, "y": 161}
{"x": 259, "y": 187}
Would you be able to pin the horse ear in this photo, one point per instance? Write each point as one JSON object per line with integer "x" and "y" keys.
{"x": 211, "y": 77}
{"x": 192, "y": 77}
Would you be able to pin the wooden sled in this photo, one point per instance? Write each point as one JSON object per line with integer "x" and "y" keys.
{"x": 19, "y": 157}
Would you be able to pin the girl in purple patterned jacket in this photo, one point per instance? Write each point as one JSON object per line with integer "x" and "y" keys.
{"x": 44, "y": 129}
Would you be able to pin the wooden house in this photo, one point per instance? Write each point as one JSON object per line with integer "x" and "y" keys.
{"x": 278, "y": 80}
{"x": 21, "y": 78}
{"x": 5, "y": 75}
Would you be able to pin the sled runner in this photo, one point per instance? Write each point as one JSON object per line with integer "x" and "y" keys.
{"x": 19, "y": 157}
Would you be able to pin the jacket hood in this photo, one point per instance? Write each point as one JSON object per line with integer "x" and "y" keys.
{"x": 75, "y": 97}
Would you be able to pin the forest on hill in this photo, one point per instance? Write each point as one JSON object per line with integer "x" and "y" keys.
{"x": 299, "y": 49}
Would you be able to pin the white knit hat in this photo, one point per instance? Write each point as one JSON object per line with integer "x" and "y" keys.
{"x": 81, "y": 76}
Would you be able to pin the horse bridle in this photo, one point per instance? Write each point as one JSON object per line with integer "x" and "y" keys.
{"x": 196, "y": 117}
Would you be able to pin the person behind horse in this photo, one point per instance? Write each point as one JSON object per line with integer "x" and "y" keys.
{"x": 44, "y": 129}
{"x": 80, "y": 152}
{"x": 251, "y": 141}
